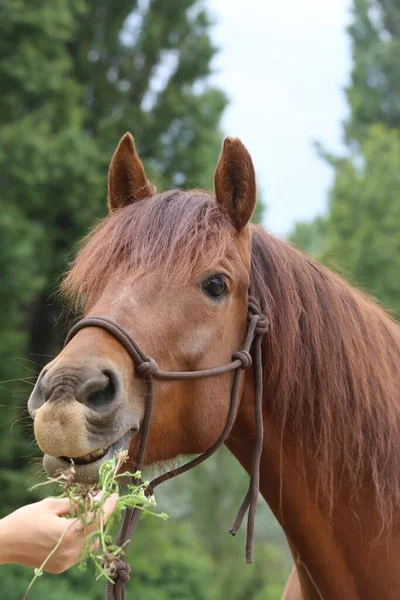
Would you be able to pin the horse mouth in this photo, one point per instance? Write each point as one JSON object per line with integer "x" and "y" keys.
{"x": 87, "y": 459}
{"x": 86, "y": 466}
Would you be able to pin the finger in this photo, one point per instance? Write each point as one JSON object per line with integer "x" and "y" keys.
{"x": 109, "y": 505}
{"x": 63, "y": 506}
{"x": 93, "y": 520}
{"x": 58, "y": 506}
{"x": 95, "y": 545}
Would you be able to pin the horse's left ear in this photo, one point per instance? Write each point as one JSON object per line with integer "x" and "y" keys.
{"x": 127, "y": 179}
{"x": 235, "y": 182}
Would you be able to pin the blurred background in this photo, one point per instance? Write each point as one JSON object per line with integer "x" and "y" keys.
{"x": 312, "y": 88}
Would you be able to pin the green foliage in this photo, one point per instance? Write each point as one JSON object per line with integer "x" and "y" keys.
{"x": 170, "y": 564}
{"x": 19, "y": 278}
{"x": 167, "y": 560}
{"x": 360, "y": 236}
{"x": 49, "y": 165}
{"x": 363, "y": 232}
{"x": 209, "y": 496}
{"x": 374, "y": 91}
{"x": 259, "y": 211}
{"x": 309, "y": 236}
{"x": 87, "y": 503}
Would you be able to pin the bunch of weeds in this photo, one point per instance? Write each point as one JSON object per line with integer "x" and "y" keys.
{"x": 87, "y": 502}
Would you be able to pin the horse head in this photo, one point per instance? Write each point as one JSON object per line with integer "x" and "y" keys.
{"x": 173, "y": 270}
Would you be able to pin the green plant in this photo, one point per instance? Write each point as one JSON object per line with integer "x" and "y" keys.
{"x": 87, "y": 502}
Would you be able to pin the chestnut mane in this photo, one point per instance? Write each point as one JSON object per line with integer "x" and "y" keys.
{"x": 331, "y": 357}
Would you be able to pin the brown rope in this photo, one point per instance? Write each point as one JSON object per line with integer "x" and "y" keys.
{"x": 147, "y": 368}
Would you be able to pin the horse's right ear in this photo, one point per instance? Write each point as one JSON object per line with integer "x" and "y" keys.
{"x": 127, "y": 179}
{"x": 235, "y": 182}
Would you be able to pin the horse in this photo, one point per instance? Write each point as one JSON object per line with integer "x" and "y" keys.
{"x": 173, "y": 269}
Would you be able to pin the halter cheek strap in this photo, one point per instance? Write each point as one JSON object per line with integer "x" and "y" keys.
{"x": 147, "y": 368}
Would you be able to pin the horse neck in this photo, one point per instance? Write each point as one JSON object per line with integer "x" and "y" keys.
{"x": 333, "y": 545}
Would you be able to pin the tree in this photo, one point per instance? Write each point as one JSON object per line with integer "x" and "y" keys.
{"x": 310, "y": 236}
{"x": 374, "y": 90}
{"x": 19, "y": 282}
{"x": 48, "y": 164}
{"x": 361, "y": 233}
{"x": 39, "y": 119}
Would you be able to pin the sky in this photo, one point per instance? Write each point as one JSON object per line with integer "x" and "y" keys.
{"x": 284, "y": 66}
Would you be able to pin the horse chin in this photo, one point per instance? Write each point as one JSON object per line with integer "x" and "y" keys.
{"x": 85, "y": 473}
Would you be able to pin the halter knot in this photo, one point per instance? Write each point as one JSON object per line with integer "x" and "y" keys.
{"x": 254, "y": 307}
{"x": 262, "y": 325}
{"x": 120, "y": 571}
{"x": 147, "y": 368}
{"x": 244, "y": 357}
{"x": 256, "y": 310}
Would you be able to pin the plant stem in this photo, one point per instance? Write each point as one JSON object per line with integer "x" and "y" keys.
{"x": 39, "y": 571}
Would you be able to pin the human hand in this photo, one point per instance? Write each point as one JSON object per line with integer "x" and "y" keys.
{"x": 29, "y": 534}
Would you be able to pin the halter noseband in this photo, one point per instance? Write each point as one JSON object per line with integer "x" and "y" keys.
{"x": 147, "y": 369}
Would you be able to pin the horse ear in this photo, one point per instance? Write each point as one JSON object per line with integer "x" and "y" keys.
{"x": 235, "y": 182}
{"x": 127, "y": 179}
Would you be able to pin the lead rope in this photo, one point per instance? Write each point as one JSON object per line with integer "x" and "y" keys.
{"x": 147, "y": 368}
{"x": 250, "y": 500}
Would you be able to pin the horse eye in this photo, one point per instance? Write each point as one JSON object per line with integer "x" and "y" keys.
{"x": 215, "y": 287}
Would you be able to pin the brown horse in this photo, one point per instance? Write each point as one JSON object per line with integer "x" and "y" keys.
{"x": 173, "y": 269}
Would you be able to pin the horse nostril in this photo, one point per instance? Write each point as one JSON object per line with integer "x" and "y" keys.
{"x": 94, "y": 386}
{"x": 100, "y": 392}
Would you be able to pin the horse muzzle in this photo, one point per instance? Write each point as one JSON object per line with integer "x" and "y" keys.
{"x": 81, "y": 415}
